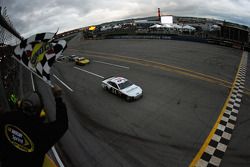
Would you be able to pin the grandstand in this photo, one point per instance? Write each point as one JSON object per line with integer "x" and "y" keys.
{"x": 197, "y": 29}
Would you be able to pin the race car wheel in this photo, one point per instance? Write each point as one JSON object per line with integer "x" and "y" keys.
{"x": 114, "y": 91}
{"x": 128, "y": 98}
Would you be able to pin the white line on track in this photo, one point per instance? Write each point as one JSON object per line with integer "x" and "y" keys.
{"x": 57, "y": 157}
{"x": 63, "y": 83}
{"x": 102, "y": 62}
{"x": 89, "y": 72}
{"x": 32, "y": 81}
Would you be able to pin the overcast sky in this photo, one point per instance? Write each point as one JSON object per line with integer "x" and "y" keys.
{"x": 34, "y": 16}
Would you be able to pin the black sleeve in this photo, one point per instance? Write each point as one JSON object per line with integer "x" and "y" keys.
{"x": 56, "y": 129}
{"x": 61, "y": 114}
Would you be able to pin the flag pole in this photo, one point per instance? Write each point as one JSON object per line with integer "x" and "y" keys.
{"x": 48, "y": 83}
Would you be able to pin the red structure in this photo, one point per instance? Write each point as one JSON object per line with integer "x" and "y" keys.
{"x": 159, "y": 13}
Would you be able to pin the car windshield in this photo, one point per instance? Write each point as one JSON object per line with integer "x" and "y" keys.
{"x": 81, "y": 58}
{"x": 125, "y": 84}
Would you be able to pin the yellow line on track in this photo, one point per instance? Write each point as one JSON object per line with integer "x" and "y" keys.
{"x": 48, "y": 162}
{"x": 212, "y": 132}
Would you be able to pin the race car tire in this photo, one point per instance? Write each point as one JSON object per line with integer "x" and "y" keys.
{"x": 128, "y": 98}
{"x": 114, "y": 91}
{"x": 104, "y": 87}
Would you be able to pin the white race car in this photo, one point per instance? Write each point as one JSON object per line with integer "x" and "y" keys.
{"x": 72, "y": 57}
{"x": 122, "y": 87}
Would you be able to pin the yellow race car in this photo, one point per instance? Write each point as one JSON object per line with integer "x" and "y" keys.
{"x": 81, "y": 61}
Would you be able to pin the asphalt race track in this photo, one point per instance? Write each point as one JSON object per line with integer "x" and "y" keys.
{"x": 185, "y": 85}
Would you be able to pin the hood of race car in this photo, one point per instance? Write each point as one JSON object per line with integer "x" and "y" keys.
{"x": 132, "y": 91}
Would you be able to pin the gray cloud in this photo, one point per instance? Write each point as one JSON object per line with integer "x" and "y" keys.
{"x": 35, "y": 16}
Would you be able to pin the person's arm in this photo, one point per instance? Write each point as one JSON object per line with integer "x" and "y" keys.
{"x": 57, "y": 128}
{"x": 61, "y": 114}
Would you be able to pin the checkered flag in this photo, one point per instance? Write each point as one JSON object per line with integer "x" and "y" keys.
{"x": 37, "y": 53}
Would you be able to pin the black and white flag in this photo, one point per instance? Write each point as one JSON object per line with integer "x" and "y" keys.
{"x": 38, "y": 53}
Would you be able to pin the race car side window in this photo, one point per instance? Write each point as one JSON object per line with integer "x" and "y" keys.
{"x": 113, "y": 84}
